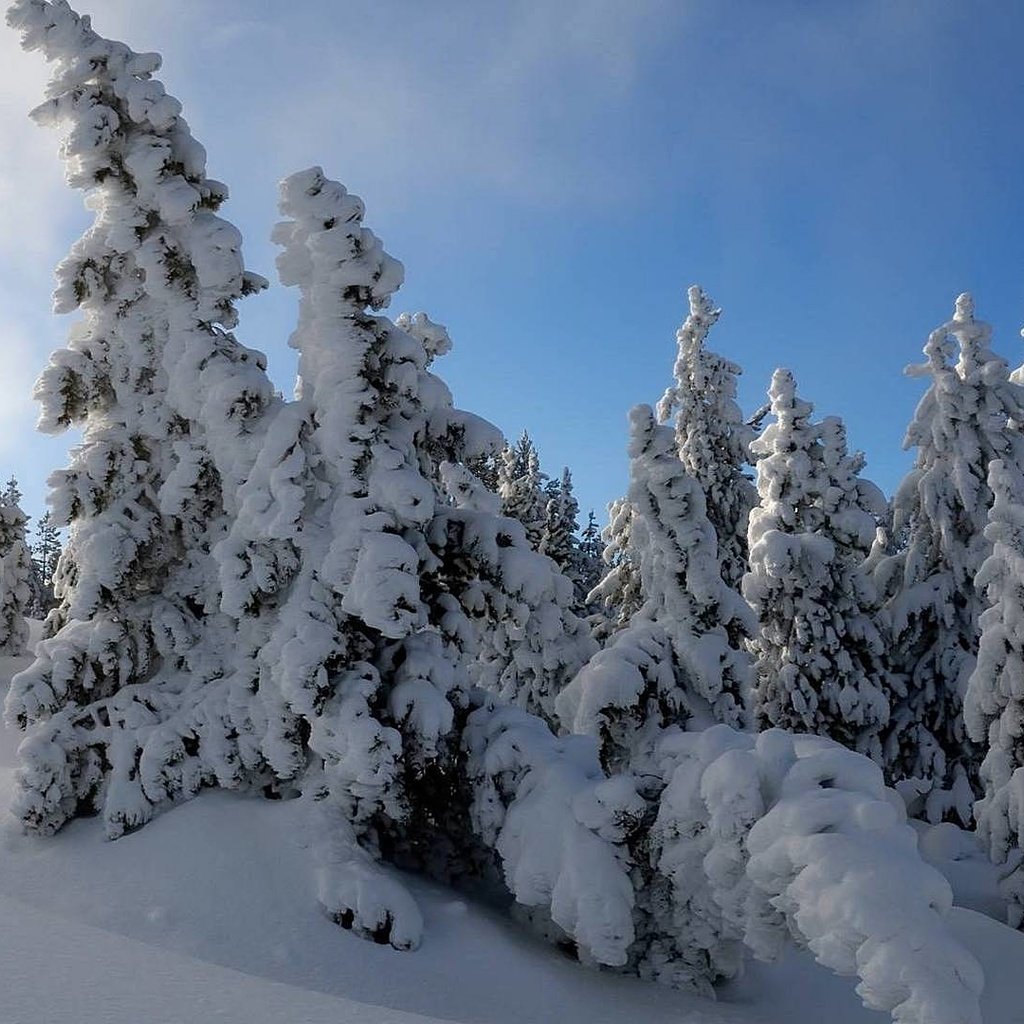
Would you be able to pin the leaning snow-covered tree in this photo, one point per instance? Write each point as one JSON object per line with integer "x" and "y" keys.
{"x": 711, "y": 435}
{"x": 408, "y": 586}
{"x": 164, "y": 397}
{"x": 994, "y": 703}
{"x": 965, "y": 420}
{"x": 820, "y": 653}
{"x": 731, "y": 840}
{"x": 15, "y": 577}
{"x": 727, "y": 840}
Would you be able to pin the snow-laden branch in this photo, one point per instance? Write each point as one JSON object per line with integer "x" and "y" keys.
{"x": 798, "y": 836}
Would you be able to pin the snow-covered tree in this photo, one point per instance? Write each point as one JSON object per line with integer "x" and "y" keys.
{"x": 561, "y": 521}
{"x": 11, "y": 494}
{"x": 406, "y": 585}
{"x": 994, "y": 703}
{"x": 165, "y": 398}
{"x": 15, "y": 575}
{"x": 964, "y": 422}
{"x": 46, "y": 552}
{"x": 588, "y": 558}
{"x": 307, "y": 590}
{"x": 711, "y": 435}
{"x": 521, "y": 487}
{"x": 820, "y": 653}
{"x": 672, "y": 661}
{"x": 770, "y": 837}
{"x": 40, "y": 595}
{"x": 617, "y": 593}
{"x": 689, "y": 627}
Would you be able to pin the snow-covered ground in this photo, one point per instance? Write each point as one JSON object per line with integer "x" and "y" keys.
{"x": 208, "y": 914}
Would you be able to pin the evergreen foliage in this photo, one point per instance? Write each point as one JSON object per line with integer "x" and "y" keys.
{"x": 965, "y": 421}
{"x": 820, "y": 654}
{"x": 15, "y": 574}
{"x": 712, "y": 438}
{"x": 994, "y": 703}
{"x": 362, "y": 597}
{"x": 165, "y": 398}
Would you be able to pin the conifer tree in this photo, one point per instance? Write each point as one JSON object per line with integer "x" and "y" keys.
{"x": 964, "y": 421}
{"x": 407, "y": 585}
{"x": 11, "y": 494}
{"x": 675, "y": 658}
{"x": 46, "y": 550}
{"x": 672, "y": 663}
{"x": 39, "y": 599}
{"x": 166, "y": 400}
{"x": 560, "y": 523}
{"x": 711, "y": 435}
{"x": 521, "y": 486}
{"x": 618, "y": 591}
{"x": 15, "y": 575}
{"x": 589, "y": 552}
{"x": 820, "y": 654}
{"x": 994, "y": 703}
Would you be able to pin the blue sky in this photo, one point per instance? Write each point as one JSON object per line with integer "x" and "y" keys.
{"x": 554, "y": 175}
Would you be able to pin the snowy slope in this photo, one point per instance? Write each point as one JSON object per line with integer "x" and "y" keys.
{"x": 208, "y": 914}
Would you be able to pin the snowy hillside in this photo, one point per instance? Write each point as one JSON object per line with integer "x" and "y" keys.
{"x": 208, "y": 914}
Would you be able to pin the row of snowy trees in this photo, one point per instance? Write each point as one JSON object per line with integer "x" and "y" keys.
{"x": 359, "y": 597}
{"x": 26, "y": 570}
{"x": 867, "y": 615}
{"x": 549, "y": 512}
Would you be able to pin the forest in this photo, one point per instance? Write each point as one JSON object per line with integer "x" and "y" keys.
{"x": 710, "y": 729}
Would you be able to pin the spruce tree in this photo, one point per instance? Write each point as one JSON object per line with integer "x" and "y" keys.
{"x": 167, "y": 401}
{"x": 676, "y": 662}
{"x": 820, "y": 653}
{"x": 711, "y": 435}
{"x": 407, "y": 586}
{"x": 15, "y": 575}
{"x": 560, "y": 523}
{"x": 589, "y": 557}
{"x": 11, "y": 494}
{"x": 994, "y": 703}
{"x": 46, "y": 550}
{"x": 964, "y": 421}
{"x": 680, "y": 655}
{"x": 618, "y": 591}
{"x": 521, "y": 486}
